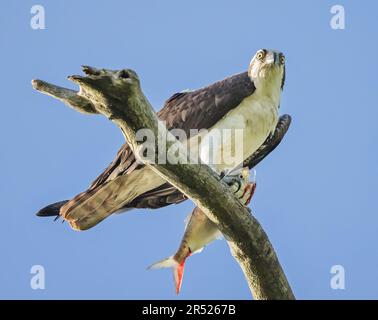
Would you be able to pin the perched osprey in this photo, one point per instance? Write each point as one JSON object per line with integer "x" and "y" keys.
{"x": 249, "y": 101}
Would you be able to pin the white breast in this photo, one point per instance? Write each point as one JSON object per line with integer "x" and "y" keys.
{"x": 256, "y": 117}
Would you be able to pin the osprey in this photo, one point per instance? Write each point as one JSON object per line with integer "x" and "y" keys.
{"x": 247, "y": 101}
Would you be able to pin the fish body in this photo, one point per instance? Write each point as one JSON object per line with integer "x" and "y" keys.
{"x": 200, "y": 230}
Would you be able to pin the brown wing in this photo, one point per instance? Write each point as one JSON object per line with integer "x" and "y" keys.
{"x": 203, "y": 108}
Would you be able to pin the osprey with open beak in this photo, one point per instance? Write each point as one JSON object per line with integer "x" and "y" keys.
{"x": 248, "y": 101}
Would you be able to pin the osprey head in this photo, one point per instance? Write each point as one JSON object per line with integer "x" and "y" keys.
{"x": 267, "y": 66}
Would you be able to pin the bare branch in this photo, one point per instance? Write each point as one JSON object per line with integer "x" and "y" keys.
{"x": 67, "y": 96}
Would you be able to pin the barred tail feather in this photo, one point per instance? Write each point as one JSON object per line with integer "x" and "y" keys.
{"x": 94, "y": 205}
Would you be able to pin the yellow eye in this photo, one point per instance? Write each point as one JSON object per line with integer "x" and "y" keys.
{"x": 282, "y": 59}
{"x": 260, "y": 55}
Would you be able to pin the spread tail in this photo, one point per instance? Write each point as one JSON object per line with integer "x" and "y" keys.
{"x": 178, "y": 270}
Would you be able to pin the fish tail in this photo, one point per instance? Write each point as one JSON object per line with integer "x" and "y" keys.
{"x": 177, "y": 268}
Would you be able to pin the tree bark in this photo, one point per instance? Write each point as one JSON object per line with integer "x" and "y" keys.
{"x": 118, "y": 96}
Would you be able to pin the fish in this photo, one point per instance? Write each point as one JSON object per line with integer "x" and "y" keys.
{"x": 200, "y": 230}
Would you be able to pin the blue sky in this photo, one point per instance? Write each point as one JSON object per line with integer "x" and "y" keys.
{"x": 316, "y": 194}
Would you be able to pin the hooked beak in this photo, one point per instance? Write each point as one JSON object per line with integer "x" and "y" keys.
{"x": 277, "y": 58}
{"x": 274, "y": 58}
